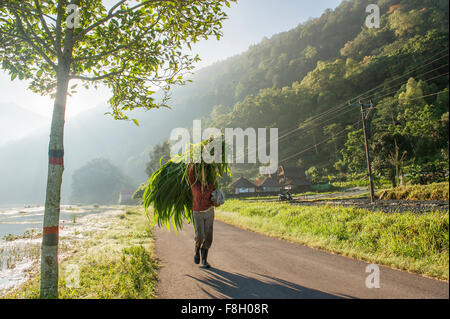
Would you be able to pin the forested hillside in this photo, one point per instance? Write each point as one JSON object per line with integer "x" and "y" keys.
{"x": 301, "y": 82}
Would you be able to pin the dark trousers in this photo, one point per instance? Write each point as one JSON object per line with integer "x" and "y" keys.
{"x": 203, "y": 225}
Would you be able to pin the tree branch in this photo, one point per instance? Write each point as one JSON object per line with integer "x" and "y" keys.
{"x": 37, "y": 38}
{"x": 100, "y": 55}
{"x": 58, "y": 26}
{"x": 97, "y": 78}
{"x": 28, "y": 40}
{"x": 138, "y": 38}
{"x": 44, "y": 23}
{"x": 112, "y": 14}
{"x": 114, "y": 7}
{"x": 13, "y": 35}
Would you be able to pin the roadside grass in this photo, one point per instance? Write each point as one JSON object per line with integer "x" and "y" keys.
{"x": 436, "y": 191}
{"x": 118, "y": 263}
{"x": 417, "y": 243}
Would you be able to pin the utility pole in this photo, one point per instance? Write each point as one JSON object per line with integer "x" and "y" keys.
{"x": 369, "y": 166}
{"x": 315, "y": 143}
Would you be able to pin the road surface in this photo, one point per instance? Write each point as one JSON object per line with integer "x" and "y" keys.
{"x": 253, "y": 266}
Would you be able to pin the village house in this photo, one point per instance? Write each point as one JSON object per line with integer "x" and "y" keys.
{"x": 126, "y": 198}
{"x": 267, "y": 184}
{"x": 242, "y": 186}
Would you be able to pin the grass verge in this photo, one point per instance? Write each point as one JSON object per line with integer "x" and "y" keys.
{"x": 414, "y": 242}
{"x": 436, "y": 191}
{"x": 116, "y": 263}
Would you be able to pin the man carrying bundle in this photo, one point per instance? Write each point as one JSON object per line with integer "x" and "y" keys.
{"x": 204, "y": 201}
{"x": 182, "y": 190}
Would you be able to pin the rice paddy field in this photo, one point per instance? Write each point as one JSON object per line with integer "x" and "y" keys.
{"x": 105, "y": 252}
{"x": 20, "y": 238}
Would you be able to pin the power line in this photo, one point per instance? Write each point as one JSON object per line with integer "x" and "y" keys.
{"x": 350, "y": 110}
{"x": 405, "y": 74}
{"x": 318, "y": 144}
{"x": 362, "y": 95}
{"x": 341, "y": 132}
{"x": 344, "y": 105}
{"x": 304, "y": 130}
{"x": 405, "y": 82}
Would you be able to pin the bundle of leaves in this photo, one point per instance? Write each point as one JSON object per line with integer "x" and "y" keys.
{"x": 169, "y": 188}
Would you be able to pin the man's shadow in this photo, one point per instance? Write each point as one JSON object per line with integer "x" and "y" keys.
{"x": 237, "y": 286}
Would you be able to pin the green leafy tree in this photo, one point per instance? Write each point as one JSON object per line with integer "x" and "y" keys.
{"x": 407, "y": 23}
{"x": 331, "y": 131}
{"x": 390, "y": 151}
{"x": 132, "y": 47}
{"x": 353, "y": 154}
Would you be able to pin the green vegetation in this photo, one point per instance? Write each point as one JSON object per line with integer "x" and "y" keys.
{"x": 437, "y": 191}
{"x": 169, "y": 194}
{"x": 169, "y": 188}
{"x": 117, "y": 263}
{"x": 414, "y": 242}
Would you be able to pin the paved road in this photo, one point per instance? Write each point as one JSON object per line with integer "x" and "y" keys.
{"x": 252, "y": 266}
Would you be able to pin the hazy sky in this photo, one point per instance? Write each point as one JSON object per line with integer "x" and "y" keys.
{"x": 249, "y": 22}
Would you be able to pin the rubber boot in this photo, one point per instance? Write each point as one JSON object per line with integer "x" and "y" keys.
{"x": 204, "y": 258}
{"x": 197, "y": 255}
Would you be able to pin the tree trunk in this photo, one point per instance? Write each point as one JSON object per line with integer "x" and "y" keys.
{"x": 315, "y": 144}
{"x": 50, "y": 234}
{"x": 401, "y": 181}
{"x": 392, "y": 177}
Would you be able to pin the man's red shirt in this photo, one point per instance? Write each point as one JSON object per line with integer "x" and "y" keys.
{"x": 202, "y": 199}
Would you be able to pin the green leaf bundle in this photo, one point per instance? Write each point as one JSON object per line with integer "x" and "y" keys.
{"x": 169, "y": 188}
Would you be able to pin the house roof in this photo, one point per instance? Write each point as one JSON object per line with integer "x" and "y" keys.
{"x": 242, "y": 183}
{"x": 128, "y": 192}
{"x": 267, "y": 182}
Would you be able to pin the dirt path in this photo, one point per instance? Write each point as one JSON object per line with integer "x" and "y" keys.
{"x": 252, "y": 266}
